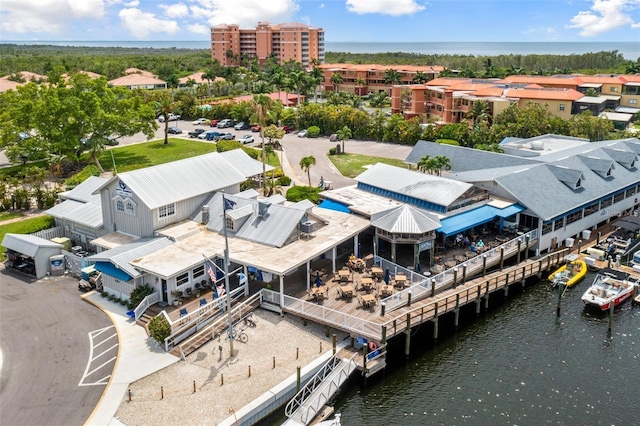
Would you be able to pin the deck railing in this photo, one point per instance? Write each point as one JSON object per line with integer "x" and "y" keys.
{"x": 424, "y": 286}
{"x": 341, "y": 320}
{"x": 151, "y": 299}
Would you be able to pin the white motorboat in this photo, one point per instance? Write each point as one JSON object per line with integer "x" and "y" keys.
{"x": 607, "y": 288}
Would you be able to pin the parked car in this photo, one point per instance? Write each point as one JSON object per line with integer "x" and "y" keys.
{"x": 209, "y": 136}
{"x": 256, "y": 128}
{"x": 246, "y": 139}
{"x": 333, "y": 138}
{"x": 226, "y": 136}
{"x": 287, "y": 129}
{"x": 112, "y": 141}
{"x": 227, "y": 122}
{"x": 242, "y": 126}
{"x": 171, "y": 117}
{"x": 303, "y": 133}
{"x": 174, "y": 130}
{"x": 214, "y": 123}
{"x": 196, "y": 132}
{"x": 200, "y": 121}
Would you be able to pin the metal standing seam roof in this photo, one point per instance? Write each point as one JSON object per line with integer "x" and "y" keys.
{"x": 272, "y": 229}
{"x": 246, "y": 165}
{"x": 124, "y": 256}
{"x": 405, "y": 219}
{"x": 85, "y": 192}
{"x": 87, "y": 214}
{"x": 27, "y": 244}
{"x": 419, "y": 185}
{"x": 179, "y": 180}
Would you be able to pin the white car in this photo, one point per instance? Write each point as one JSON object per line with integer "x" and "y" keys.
{"x": 246, "y": 139}
{"x": 171, "y": 117}
{"x": 303, "y": 133}
{"x": 200, "y": 121}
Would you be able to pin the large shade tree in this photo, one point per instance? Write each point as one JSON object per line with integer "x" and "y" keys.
{"x": 70, "y": 117}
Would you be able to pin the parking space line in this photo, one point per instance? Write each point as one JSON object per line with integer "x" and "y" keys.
{"x": 106, "y": 340}
{"x": 100, "y": 366}
{"x": 104, "y": 352}
{"x": 92, "y": 347}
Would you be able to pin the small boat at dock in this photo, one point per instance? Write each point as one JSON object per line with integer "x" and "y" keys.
{"x": 569, "y": 274}
{"x": 609, "y": 286}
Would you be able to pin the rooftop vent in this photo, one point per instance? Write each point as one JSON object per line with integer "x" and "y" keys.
{"x": 205, "y": 215}
{"x": 537, "y": 145}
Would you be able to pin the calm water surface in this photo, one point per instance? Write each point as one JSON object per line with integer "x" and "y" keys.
{"x": 515, "y": 365}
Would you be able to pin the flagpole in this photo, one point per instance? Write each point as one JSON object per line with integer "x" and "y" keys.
{"x": 226, "y": 274}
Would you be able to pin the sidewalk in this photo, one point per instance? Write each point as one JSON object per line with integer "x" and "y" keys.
{"x": 138, "y": 356}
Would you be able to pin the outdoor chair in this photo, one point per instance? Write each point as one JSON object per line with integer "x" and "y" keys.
{"x": 198, "y": 287}
{"x": 203, "y": 302}
{"x": 188, "y": 291}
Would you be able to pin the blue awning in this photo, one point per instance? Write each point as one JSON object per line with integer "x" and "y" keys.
{"x": 467, "y": 220}
{"x": 110, "y": 269}
{"x": 334, "y": 205}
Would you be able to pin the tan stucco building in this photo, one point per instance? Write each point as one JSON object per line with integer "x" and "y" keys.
{"x": 291, "y": 41}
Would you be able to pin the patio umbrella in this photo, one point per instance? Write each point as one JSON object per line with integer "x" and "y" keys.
{"x": 419, "y": 268}
{"x": 387, "y": 276}
{"x": 318, "y": 280}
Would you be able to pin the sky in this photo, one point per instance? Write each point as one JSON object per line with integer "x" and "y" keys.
{"x": 342, "y": 20}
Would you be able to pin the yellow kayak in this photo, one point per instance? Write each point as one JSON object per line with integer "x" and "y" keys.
{"x": 571, "y": 273}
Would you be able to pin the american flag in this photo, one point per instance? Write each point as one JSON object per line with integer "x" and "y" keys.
{"x": 210, "y": 271}
{"x": 220, "y": 290}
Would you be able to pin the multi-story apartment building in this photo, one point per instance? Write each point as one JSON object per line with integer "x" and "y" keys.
{"x": 448, "y": 100}
{"x": 364, "y": 78}
{"x": 292, "y": 41}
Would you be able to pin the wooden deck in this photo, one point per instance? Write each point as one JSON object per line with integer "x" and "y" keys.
{"x": 420, "y": 311}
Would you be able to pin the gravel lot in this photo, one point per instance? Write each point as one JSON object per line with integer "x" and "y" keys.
{"x": 273, "y": 336}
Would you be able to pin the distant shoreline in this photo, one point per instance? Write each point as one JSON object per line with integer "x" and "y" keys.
{"x": 629, "y": 50}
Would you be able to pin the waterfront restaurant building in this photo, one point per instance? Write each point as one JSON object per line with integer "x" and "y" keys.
{"x": 563, "y": 191}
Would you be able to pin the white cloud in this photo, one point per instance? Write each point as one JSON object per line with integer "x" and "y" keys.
{"x": 605, "y": 15}
{"x": 132, "y": 3}
{"x": 245, "y": 13}
{"x": 384, "y": 7}
{"x": 178, "y": 10}
{"x": 46, "y": 16}
{"x": 321, "y": 6}
{"x": 141, "y": 24}
{"x": 199, "y": 29}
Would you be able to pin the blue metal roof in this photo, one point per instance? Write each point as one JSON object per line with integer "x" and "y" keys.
{"x": 334, "y": 205}
{"x": 110, "y": 269}
{"x": 467, "y": 220}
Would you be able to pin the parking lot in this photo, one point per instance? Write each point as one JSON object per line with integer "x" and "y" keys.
{"x": 47, "y": 351}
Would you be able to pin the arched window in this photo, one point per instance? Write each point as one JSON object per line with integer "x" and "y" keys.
{"x": 130, "y": 208}
{"x": 120, "y": 206}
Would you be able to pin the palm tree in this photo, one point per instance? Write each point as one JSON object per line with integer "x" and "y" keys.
{"x": 442, "y": 162}
{"x": 392, "y": 76}
{"x": 278, "y": 80}
{"x": 343, "y": 135}
{"x": 262, "y": 105}
{"x": 360, "y": 83}
{"x": 632, "y": 68}
{"x": 336, "y": 79}
{"x": 420, "y": 78}
{"x": 165, "y": 105}
{"x": 316, "y": 76}
{"x": 425, "y": 164}
{"x": 479, "y": 112}
{"x": 305, "y": 165}
{"x": 298, "y": 81}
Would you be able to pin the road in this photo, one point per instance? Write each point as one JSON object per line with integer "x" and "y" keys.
{"x": 47, "y": 375}
{"x": 295, "y": 149}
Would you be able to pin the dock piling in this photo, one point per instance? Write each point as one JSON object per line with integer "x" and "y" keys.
{"x": 526, "y": 247}
{"x": 382, "y": 308}
{"x": 435, "y": 322}
{"x": 298, "y": 378}
{"x": 478, "y": 299}
{"x": 501, "y": 258}
{"x": 559, "y": 299}
{"x": 384, "y": 335}
{"x": 433, "y": 287}
{"x": 409, "y": 298}
{"x": 486, "y": 298}
{"x": 407, "y": 341}
{"x": 456, "y": 311}
{"x": 334, "y": 339}
{"x": 611, "y": 308}
{"x": 484, "y": 265}
{"x": 519, "y": 248}
{"x": 455, "y": 278}
{"x": 506, "y": 286}
{"x": 464, "y": 274}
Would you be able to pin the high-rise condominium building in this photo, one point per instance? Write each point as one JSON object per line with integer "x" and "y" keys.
{"x": 302, "y": 43}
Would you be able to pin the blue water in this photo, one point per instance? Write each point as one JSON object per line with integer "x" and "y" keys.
{"x": 630, "y": 50}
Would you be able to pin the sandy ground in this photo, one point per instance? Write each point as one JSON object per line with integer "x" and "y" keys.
{"x": 212, "y": 402}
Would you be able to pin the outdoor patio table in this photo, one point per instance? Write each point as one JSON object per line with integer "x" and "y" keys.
{"x": 450, "y": 263}
{"x": 386, "y": 290}
{"x": 344, "y": 275}
{"x": 368, "y": 300}
{"x": 367, "y": 284}
{"x": 347, "y": 290}
{"x": 377, "y": 272}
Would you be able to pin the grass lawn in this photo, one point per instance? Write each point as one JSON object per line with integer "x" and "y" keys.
{"x": 26, "y": 226}
{"x": 351, "y": 165}
{"x": 138, "y": 156}
{"x": 9, "y": 215}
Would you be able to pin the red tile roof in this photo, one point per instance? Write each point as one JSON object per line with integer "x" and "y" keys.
{"x": 545, "y": 94}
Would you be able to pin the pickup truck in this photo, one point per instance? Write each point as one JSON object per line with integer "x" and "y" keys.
{"x": 226, "y": 136}
{"x": 195, "y": 132}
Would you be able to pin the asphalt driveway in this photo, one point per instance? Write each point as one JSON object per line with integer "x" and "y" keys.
{"x": 46, "y": 346}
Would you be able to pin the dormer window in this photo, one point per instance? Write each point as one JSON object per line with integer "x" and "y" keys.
{"x": 578, "y": 183}
{"x": 166, "y": 211}
{"x": 230, "y": 222}
{"x": 609, "y": 172}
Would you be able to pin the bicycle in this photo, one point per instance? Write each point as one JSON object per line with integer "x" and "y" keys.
{"x": 238, "y": 335}
{"x": 249, "y": 322}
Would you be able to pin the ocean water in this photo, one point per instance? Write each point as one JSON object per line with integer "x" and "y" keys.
{"x": 630, "y": 50}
